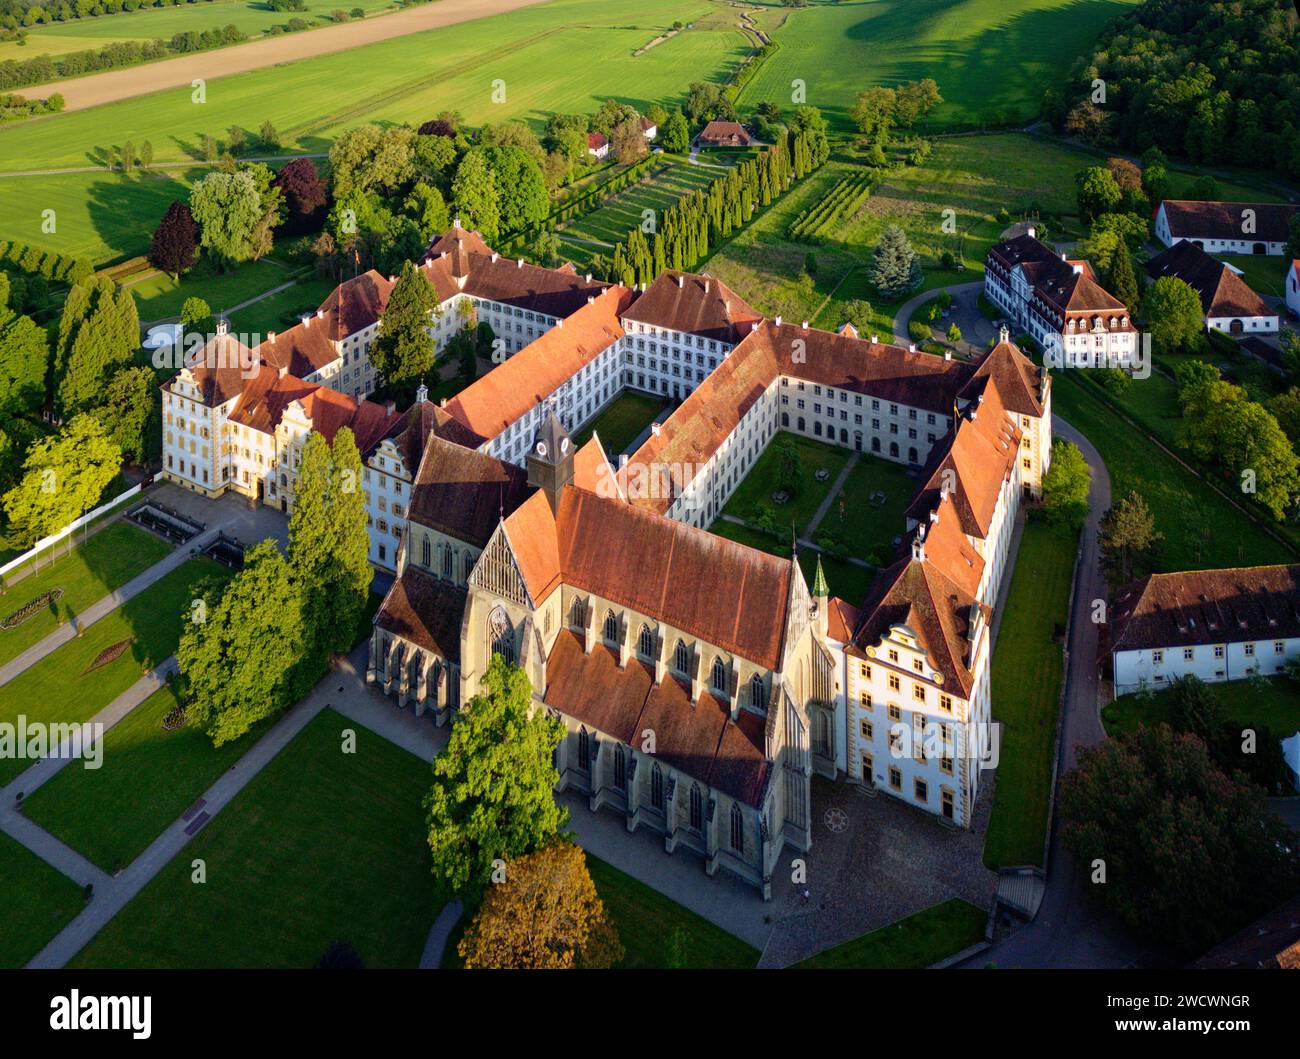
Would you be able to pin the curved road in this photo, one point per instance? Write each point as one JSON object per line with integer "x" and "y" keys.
{"x": 114, "y": 85}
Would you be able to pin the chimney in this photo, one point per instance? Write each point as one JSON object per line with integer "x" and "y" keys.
{"x": 706, "y": 286}
{"x": 753, "y": 325}
{"x": 778, "y": 321}
{"x": 934, "y": 515}
{"x": 588, "y": 279}
{"x": 918, "y": 544}
{"x": 654, "y": 429}
{"x": 681, "y": 281}
{"x": 270, "y": 336}
{"x": 282, "y": 371}
{"x": 390, "y": 407}
{"x": 591, "y": 300}
{"x": 519, "y": 263}
{"x": 1078, "y": 270}
{"x": 911, "y": 347}
{"x": 495, "y": 255}
{"x": 805, "y": 325}
{"x": 559, "y": 322}
{"x": 875, "y": 340}
{"x": 320, "y": 313}
{"x": 1032, "y": 232}
{"x": 947, "y": 355}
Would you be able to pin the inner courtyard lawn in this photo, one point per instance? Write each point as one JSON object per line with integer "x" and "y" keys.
{"x": 916, "y": 942}
{"x": 1201, "y": 529}
{"x": 106, "y": 561}
{"x": 844, "y": 579}
{"x": 1026, "y": 687}
{"x": 66, "y": 686}
{"x": 39, "y": 902}
{"x": 321, "y": 846}
{"x": 148, "y": 778}
{"x": 621, "y": 422}
{"x": 755, "y": 493}
{"x": 862, "y": 526}
{"x": 1277, "y": 707}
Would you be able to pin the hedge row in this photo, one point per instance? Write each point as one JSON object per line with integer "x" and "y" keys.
{"x": 48, "y": 263}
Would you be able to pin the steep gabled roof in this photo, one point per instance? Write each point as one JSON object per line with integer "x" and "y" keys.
{"x": 489, "y": 405}
{"x": 919, "y": 596}
{"x": 1192, "y": 219}
{"x": 694, "y": 304}
{"x": 464, "y": 493}
{"x": 1221, "y": 290}
{"x": 354, "y": 304}
{"x": 221, "y": 368}
{"x": 1018, "y": 379}
{"x": 458, "y": 238}
{"x": 425, "y": 610}
{"x": 1207, "y": 607}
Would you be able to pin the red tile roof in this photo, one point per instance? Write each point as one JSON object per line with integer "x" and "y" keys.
{"x": 496, "y": 400}
{"x": 694, "y": 304}
{"x": 464, "y": 493}
{"x": 1207, "y": 607}
{"x": 425, "y": 610}
{"x": 726, "y": 133}
{"x": 1223, "y": 293}
{"x": 1191, "y": 219}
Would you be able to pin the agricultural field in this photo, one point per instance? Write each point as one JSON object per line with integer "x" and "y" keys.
{"x": 992, "y": 59}
{"x": 610, "y": 223}
{"x": 250, "y": 16}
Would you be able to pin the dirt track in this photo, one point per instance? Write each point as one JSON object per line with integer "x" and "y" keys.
{"x": 114, "y": 85}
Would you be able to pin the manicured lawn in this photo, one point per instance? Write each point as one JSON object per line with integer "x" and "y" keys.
{"x": 992, "y": 59}
{"x": 159, "y": 297}
{"x": 763, "y": 480}
{"x": 1201, "y": 529}
{"x": 1277, "y": 709}
{"x": 868, "y": 528}
{"x": 148, "y": 778}
{"x": 657, "y": 932}
{"x": 39, "y": 902}
{"x": 1026, "y": 689}
{"x": 321, "y": 846}
{"x": 108, "y": 560}
{"x": 281, "y": 311}
{"x": 621, "y": 423}
{"x": 67, "y": 686}
{"x": 1265, "y": 275}
{"x": 915, "y": 942}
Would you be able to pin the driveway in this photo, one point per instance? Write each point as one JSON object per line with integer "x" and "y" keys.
{"x": 976, "y": 330}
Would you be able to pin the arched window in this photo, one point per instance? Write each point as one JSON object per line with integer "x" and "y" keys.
{"x": 681, "y": 658}
{"x": 785, "y": 419}
{"x": 893, "y": 449}
{"x": 757, "y": 692}
{"x": 426, "y": 554}
{"x": 611, "y": 629}
{"x": 646, "y": 643}
{"x": 657, "y": 787}
{"x": 801, "y": 426}
{"x": 469, "y": 565}
{"x": 697, "y": 810}
{"x": 737, "y": 829}
{"x": 620, "y": 769}
{"x": 584, "y": 749}
{"x": 501, "y": 636}
{"x": 446, "y": 561}
{"x": 578, "y": 613}
{"x": 719, "y": 676}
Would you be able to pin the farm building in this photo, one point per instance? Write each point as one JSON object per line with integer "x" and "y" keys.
{"x": 725, "y": 134}
{"x": 1225, "y": 227}
{"x": 597, "y": 146}
{"x": 1228, "y": 303}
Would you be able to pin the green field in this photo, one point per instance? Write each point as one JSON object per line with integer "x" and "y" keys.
{"x": 1026, "y": 689}
{"x": 108, "y": 560}
{"x": 992, "y": 59}
{"x": 321, "y": 846}
{"x": 1201, "y": 529}
{"x": 159, "y": 297}
{"x": 61, "y": 688}
{"x": 148, "y": 778}
{"x": 39, "y": 902}
{"x": 251, "y": 16}
{"x": 1277, "y": 709}
{"x": 281, "y": 311}
{"x": 910, "y": 944}
{"x": 621, "y": 422}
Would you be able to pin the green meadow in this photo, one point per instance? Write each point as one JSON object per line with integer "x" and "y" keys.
{"x": 992, "y": 59}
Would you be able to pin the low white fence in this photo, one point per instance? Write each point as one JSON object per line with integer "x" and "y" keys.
{"x": 71, "y": 527}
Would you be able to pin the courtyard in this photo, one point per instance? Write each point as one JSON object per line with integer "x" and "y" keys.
{"x": 623, "y": 422}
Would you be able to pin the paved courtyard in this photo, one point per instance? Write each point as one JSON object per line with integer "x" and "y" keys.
{"x": 235, "y": 515}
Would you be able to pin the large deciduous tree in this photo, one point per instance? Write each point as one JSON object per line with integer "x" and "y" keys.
{"x": 474, "y": 195}
{"x": 175, "y": 244}
{"x": 64, "y": 476}
{"x": 1173, "y": 314}
{"x": 24, "y": 358}
{"x": 1066, "y": 484}
{"x": 228, "y": 209}
{"x": 493, "y": 785}
{"x": 130, "y": 413}
{"x": 545, "y": 915}
{"x": 1097, "y": 192}
{"x": 1188, "y": 854}
{"x": 304, "y": 194}
{"x": 1128, "y": 534}
{"x": 241, "y": 647}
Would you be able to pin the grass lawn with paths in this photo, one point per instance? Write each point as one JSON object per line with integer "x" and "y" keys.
{"x": 912, "y": 943}
{"x": 40, "y": 902}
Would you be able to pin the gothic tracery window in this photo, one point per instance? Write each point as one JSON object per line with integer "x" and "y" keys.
{"x": 501, "y": 636}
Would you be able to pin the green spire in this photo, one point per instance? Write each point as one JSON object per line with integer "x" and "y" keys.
{"x": 820, "y": 591}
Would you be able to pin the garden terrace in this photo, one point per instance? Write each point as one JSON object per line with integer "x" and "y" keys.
{"x": 164, "y": 521}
